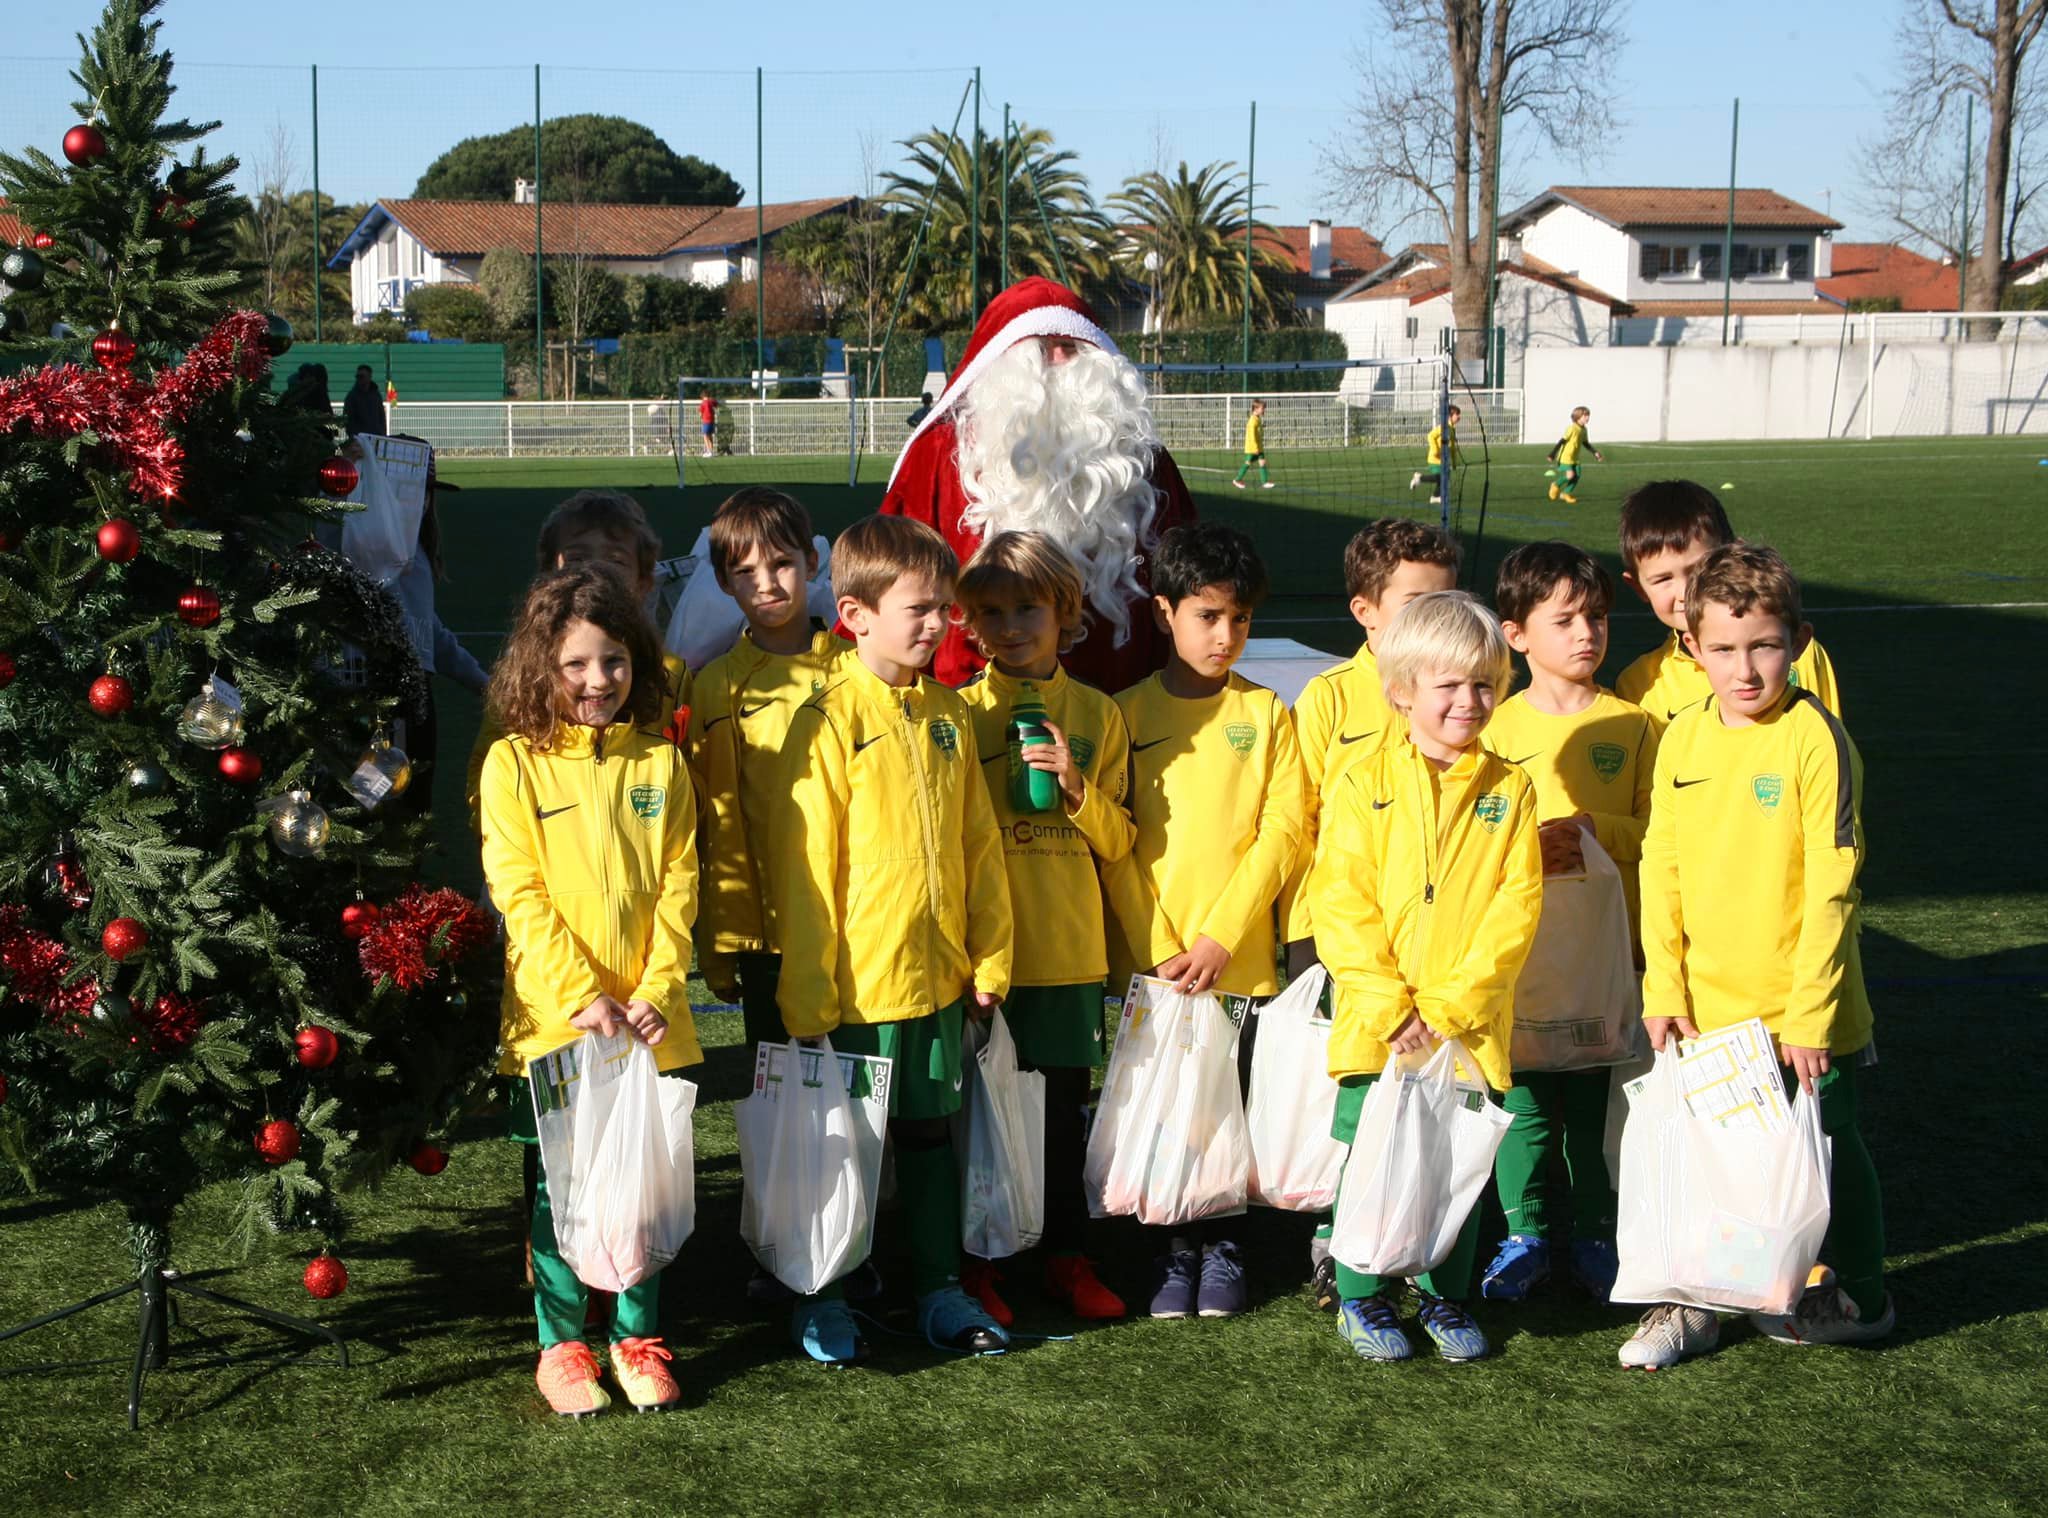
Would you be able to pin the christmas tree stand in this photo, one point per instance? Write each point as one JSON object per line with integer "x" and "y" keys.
{"x": 159, "y": 1285}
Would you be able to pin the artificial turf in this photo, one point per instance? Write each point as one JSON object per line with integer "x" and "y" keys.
{"x": 1913, "y": 551}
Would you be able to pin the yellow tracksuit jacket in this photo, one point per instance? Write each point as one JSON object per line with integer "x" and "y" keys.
{"x": 1750, "y": 901}
{"x": 1426, "y": 890}
{"x": 1340, "y": 717}
{"x": 1216, "y": 793}
{"x": 1597, "y": 761}
{"x": 674, "y": 670}
{"x": 1254, "y": 435}
{"x": 1442, "y": 441}
{"x": 590, "y": 850}
{"x": 1050, "y": 857}
{"x": 885, "y": 873}
{"x": 742, "y": 703}
{"x": 1667, "y": 681}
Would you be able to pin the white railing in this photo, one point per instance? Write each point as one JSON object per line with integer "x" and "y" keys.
{"x": 1832, "y": 328}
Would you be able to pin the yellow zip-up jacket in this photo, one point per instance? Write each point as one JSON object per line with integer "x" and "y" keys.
{"x": 1254, "y": 435}
{"x": 1216, "y": 793}
{"x": 1569, "y": 446}
{"x": 1340, "y": 717}
{"x": 742, "y": 703}
{"x": 590, "y": 850}
{"x": 1750, "y": 901}
{"x": 1442, "y": 441}
{"x": 674, "y": 671}
{"x": 1050, "y": 857}
{"x": 886, "y": 873}
{"x": 1426, "y": 891}
{"x": 1597, "y": 761}
{"x": 1667, "y": 681}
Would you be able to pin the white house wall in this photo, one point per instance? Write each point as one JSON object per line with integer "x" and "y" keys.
{"x": 1567, "y": 238}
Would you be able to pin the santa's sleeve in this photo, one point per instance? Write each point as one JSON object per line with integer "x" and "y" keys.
{"x": 927, "y": 488}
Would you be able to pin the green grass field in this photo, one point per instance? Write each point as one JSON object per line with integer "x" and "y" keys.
{"x": 1926, "y": 563}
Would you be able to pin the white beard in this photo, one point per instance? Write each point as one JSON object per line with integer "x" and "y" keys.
{"x": 1066, "y": 450}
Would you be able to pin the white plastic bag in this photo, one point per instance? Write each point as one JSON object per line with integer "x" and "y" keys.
{"x": 811, "y": 1160}
{"x": 707, "y": 621}
{"x": 1002, "y": 1150}
{"x": 616, "y": 1142}
{"x": 1717, "y": 1217}
{"x": 1578, "y": 1000}
{"x": 1169, "y": 1143}
{"x": 1423, "y": 1152}
{"x": 1295, "y": 1162}
{"x": 391, "y": 487}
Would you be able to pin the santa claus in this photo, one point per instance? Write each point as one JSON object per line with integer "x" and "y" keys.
{"x": 1046, "y": 428}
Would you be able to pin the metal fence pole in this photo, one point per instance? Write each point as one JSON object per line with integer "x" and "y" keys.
{"x": 1728, "y": 229}
{"x": 316, "y": 205}
{"x": 974, "y": 216}
{"x": 1005, "y": 192}
{"x": 1963, "y": 225}
{"x": 760, "y": 259}
{"x": 540, "y": 346}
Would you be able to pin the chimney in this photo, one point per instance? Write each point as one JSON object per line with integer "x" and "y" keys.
{"x": 1318, "y": 250}
{"x": 522, "y": 192}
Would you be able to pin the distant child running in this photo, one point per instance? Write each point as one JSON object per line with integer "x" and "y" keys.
{"x": 1566, "y": 456}
{"x": 1254, "y": 447}
{"x": 1444, "y": 455}
{"x": 707, "y": 417}
{"x": 589, "y": 846}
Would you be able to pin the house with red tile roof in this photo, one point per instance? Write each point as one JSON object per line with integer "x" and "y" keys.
{"x": 400, "y": 245}
{"x": 1882, "y": 272}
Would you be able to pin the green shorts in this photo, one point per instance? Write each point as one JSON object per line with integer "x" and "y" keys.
{"x": 926, "y": 1051}
{"x": 1567, "y": 476}
{"x": 1056, "y": 1027}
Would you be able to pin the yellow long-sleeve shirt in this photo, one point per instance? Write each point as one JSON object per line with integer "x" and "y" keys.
{"x": 1597, "y": 761}
{"x": 1667, "y": 681}
{"x": 1750, "y": 901}
{"x": 1340, "y": 717}
{"x": 1426, "y": 889}
{"x": 1442, "y": 441}
{"x": 1216, "y": 793}
{"x": 1050, "y": 857}
{"x": 674, "y": 671}
{"x": 590, "y": 850}
{"x": 1255, "y": 433}
{"x": 1572, "y": 444}
{"x": 741, "y": 708}
{"x": 885, "y": 872}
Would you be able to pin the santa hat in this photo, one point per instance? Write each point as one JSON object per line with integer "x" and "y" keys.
{"x": 1033, "y": 307}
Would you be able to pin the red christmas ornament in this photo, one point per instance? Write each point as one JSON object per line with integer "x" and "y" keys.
{"x": 42, "y": 242}
{"x": 337, "y": 476}
{"x": 110, "y": 695}
{"x": 113, "y": 349}
{"x": 358, "y": 917}
{"x": 173, "y": 1022}
{"x": 240, "y": 766}
{"x": 169, "y": 207}
{"x": 316, "y": 1048}
{"x": 85, "y": 145}
{"x": 118, "y": 540}
{"x": 123, "y": 939}
{"x": 6, "y": 670}
{"x": 325, "y": 1277}
{"x": 277, "y": 1141}
{"x": 199, "y": 606}
{"x": 428, "y": 1159}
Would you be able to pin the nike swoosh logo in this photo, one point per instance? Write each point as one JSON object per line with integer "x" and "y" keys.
{"x": 1381, "y": 806}
{"x": 861, "y": 743}
{"x": 1527, "y": 757}
{"x": 1356, "y": 737}
{"x": 992, "y": 758}
{"x": 727, "y": 717}
{"x": 542, "y": 814}
{"x": 761, "y": 706}
{"x": 1139, "y": 748}
{"x": 1679, "y": 785}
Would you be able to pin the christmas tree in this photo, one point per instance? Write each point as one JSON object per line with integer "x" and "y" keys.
{"x": 215, "y": 963}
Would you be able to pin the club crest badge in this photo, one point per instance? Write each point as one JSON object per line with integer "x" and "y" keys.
{"x": 1608, "y": 758}
{"x": 946, "y": 737}
{"x": 1083, "y": 749}
{"x": 1242, "y": 735}
{"x": 1491, "y": 810}
{"x": 648, "y": 802}
{"x": 1769, "y": 790}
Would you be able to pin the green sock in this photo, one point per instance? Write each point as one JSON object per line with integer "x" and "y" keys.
{"x": 1244, "y": 471}
{"x": 1262, "y": 474}
{"x": 930, "y": 1182}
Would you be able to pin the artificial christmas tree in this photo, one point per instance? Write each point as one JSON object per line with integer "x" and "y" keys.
{"x": 195, "y": 736}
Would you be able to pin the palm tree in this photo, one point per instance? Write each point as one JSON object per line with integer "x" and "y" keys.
{"x": 1184, "y": 236}
{"x": 1050, "y": 208}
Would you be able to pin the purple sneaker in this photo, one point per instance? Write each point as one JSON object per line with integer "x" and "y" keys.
{"x": 1222, "y": 1293}
{"x": 1175, "y": 1295}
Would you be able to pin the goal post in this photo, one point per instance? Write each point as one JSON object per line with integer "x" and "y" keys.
{"x": 769, "y": 428}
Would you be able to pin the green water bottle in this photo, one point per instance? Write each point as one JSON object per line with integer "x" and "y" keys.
{"x": 1031, "y": 790}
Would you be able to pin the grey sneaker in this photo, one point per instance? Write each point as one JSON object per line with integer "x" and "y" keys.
{"x": 1670, "y": 1333}
{"x": 1825, "y": 1315}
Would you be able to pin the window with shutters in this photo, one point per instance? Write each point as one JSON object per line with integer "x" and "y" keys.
{"x": 1759, "y": 261}
{"x": 1799, "y": 261}
{"x": 1710, "y": 260}
{"x": 1666, "y": 260}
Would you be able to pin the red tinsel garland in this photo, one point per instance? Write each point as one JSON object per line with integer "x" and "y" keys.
{"x": 173, "y": 1022}
{"x": 130, "y": 417}
{"x": 36, "y": 964}
{"x": 400, "y": 944}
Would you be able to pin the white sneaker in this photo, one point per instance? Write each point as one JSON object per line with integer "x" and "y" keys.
{"x": 1825, "y": 1315}
{"x": 1267, "y": 486}
{"x": 1238, "y": 483}
{"x": 1414, "y": 480}
{"x": 1670, "y": 1333}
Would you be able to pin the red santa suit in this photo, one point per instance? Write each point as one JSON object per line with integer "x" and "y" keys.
{"x": 926, "y": 485}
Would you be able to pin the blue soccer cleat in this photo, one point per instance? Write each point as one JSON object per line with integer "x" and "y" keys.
{"x": 1369, "y": 1326}
{"x": 950, "y": 1319}
{"x": 1522, "y": 1264}
{"x": 1457, "y": 1337}
{"x": 1594, "y": 1266}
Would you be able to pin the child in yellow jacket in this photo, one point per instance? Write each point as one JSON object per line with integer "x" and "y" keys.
{"x": 890, "y": 899}
{"x": 1021, "y": 599}
{"x": 1216, "y": 792}
{"x": 1426, "y": 888}
{"x": 589, "y": 846}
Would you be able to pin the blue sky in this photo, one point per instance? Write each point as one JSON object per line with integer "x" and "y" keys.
{"x": 1122, "y": 84}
